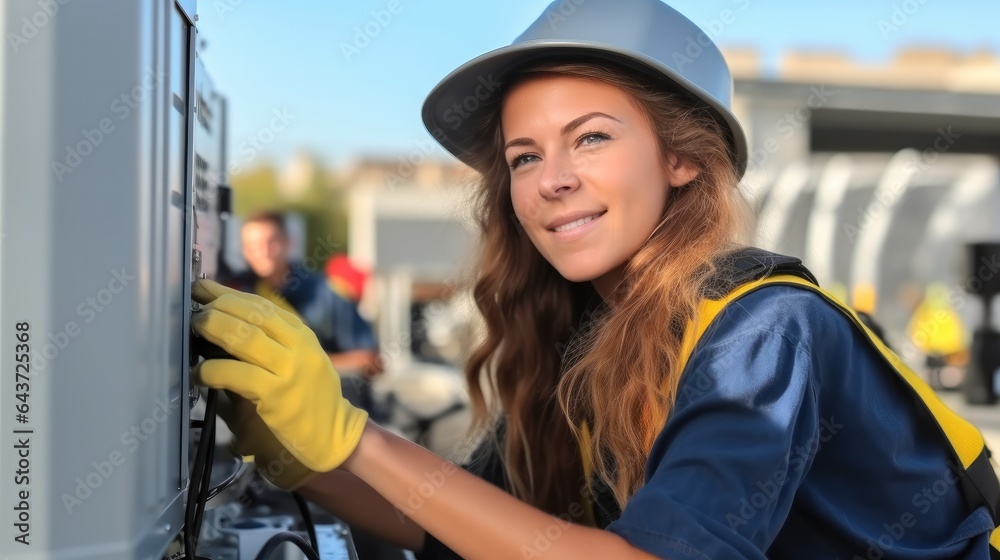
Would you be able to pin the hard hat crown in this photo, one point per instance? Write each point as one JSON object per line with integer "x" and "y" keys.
{"x": 646, "y": 35}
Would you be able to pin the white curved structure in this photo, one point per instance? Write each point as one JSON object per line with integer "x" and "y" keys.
{"x": 777, "y": 210}
{"x": 873, "y": 224}
{"x": 822, "y": 226}
{"x": 950, "y": 216}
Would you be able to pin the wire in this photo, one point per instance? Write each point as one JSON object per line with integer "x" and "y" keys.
{"x": 200, "y": 479}
{"x": 277, "y": 540}
{"x": 307, "y": 519}
{"x": 209, "y": 462}
{"x": 218, "y": 488}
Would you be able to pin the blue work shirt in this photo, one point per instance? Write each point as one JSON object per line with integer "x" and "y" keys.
{"x": 791, "y": 438}
{"x": 336, "y": 321}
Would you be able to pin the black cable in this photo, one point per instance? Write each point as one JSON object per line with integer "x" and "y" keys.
{"x": 201, "y": 474}
{"x": 206, "y": 483}
{"x": 274, "y": 542}
{"x": 307, "y": 519}
{"x": 194, "y": 485}
{"x": 218, "y": 488}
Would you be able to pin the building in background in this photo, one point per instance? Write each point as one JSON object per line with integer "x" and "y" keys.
{"x": 876, "y": 175}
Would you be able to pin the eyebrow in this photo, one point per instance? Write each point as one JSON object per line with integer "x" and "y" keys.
{"x": 570, "y": 126}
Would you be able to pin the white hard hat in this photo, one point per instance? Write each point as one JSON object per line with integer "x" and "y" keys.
{"x": 645, "y": 35}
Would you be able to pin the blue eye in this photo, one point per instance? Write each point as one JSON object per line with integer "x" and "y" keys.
{"x": 591, "y": 138}
{"x": 523, "y": 158}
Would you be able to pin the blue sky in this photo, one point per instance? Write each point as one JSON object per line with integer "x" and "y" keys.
{"x": 345, "y": 94}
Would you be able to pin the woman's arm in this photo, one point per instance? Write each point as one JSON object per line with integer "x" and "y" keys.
{"x": 281, "y": 368}
{"x": 357, "y": 504}
{"x": 472, "y": 517}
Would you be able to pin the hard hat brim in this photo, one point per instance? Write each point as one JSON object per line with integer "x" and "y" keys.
{"x": 449, "y": 109}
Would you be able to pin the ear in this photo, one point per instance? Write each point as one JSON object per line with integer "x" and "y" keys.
{"x": 679, "y": 172}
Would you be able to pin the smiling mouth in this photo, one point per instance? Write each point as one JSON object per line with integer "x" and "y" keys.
{"x": 575, "y": 224}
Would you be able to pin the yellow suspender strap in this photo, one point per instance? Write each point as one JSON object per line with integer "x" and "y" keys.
{"x": 979, "y": 480}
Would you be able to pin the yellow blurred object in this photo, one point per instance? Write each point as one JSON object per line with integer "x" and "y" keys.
{"x": 935, "y": 327}
{"x": 863, "y": 299}
{"x": 282, "y": 369}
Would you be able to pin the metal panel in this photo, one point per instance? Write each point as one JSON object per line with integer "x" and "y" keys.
{"x": 96, "y": 261}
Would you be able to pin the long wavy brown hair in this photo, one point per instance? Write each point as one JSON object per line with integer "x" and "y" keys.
{"x": 551, "y": 360}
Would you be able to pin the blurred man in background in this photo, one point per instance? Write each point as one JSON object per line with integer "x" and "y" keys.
{"x": 347, "y": 338}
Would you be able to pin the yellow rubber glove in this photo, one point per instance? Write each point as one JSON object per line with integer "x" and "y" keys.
{"x": 253, "y": 438}
{"x": 281, "y": 368}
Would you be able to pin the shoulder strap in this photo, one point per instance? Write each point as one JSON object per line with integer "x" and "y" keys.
{"x": 748, "y": 264}
{"x": 976, "y": 474}
{"x": 737, "y": 273}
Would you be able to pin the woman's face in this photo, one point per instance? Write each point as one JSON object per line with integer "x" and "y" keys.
{"x": 588, "y": 183}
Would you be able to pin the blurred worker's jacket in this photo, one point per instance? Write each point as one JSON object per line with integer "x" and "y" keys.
{"x": 336, "y": 321}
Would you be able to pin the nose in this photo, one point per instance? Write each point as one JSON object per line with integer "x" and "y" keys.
{"x": 558, "y": 178}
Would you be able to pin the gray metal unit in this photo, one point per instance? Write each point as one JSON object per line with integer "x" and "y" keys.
{"x": 208, "y": 173}
{"x": 96, "y": 107}
{"x": 430, "y": 250}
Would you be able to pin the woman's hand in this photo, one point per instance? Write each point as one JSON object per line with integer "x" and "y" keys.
{"x": 251, "y": 436}
{"x": 280, "y": 368}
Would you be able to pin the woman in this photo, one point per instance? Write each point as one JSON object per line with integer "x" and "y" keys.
{"x": 609, "y": 158}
